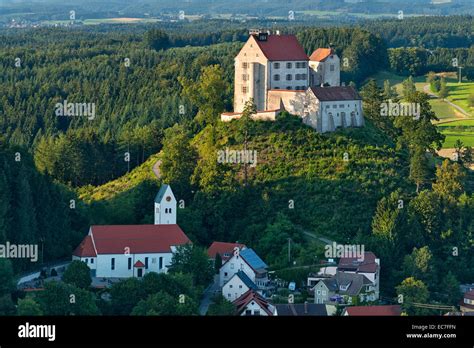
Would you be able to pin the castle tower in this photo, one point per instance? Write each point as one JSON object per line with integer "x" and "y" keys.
{"x": 165, "y": 206}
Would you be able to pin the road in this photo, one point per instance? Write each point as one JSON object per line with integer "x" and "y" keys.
{"x": 208, "y": 295}
{"x": 156, "y": 169}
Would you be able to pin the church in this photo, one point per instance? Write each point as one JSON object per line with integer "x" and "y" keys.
{"x": 123, "y": 251}
{"x": 274, "y": 71}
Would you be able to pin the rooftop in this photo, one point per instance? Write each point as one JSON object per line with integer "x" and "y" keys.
{"x": 281, "y": 48}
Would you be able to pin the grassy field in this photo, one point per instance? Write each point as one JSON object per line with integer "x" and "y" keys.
{"x": 96, "y": 21}
{"x": 326, "y": 14}
{"x": 463, "y": 128}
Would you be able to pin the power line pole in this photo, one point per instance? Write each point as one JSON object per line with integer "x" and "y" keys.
{"x": 289, "y": 250}
{"x": 459, "y": 74}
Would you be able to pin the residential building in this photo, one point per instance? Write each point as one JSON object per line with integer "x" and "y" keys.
{"x": 252, "y": 303}
{"x": 237, "y": 285}
{"x": 301, "y": 309}
{"x": 225, "y": 250}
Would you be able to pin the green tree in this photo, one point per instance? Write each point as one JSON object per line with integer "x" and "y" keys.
{"x": 217, "y": 263}
{"x": 192, "y": 259}
{"x": 157, "y": 39}
{"x": 78, "y": 274}
{"x": 419, "y": 167}
{"x": 221, "y": 307}
{"x": 412, "y": 292}
{"x": 449, "y": 183}
{"x": 28, "y": 307}
{"x": 125, "y": 295}
{"x": 6, "y": 277}
{"x": 443, "y": 90}
{"x": 408, "y": 88}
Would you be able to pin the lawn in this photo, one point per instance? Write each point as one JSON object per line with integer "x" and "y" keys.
{"x": 458, "y": 94}
{"x": 467, "y": 137}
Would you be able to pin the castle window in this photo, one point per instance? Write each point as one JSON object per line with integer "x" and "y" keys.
{"x": 276, "y": 77}
{"x": 331, "y": 67}
{"x": 277, "y": 87}
{"x": 288, "y": 65}
{"x": 341, "y": 105}
{"x": 303, "y": 76}
{"x": 297, "y": 77}
{"x": 92, "y": 260}
{"x": 288, "y": 87}
{"x": 161, "y": 263}
{"x": 245, "y": 65}
{"x": 303, "y": 64}
{"x": 276, "y": 65}
{"x": 289, "y": 77}
{"x": 298, "y": 64}
{"x": 146, "y": 262}
{"x": 245, "y": 77}
{"x": 244, "y": 89}
{"x": 334, "y": 106}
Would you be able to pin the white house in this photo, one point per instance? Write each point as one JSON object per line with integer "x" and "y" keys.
{"x": 237, "y": 285}
{"x": 123, "y": 251}
{"x": 250, "y": 263}
{"x": 252, "y": 303}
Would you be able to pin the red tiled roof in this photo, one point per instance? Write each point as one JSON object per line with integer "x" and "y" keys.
{"x": 392, "y": 310}
{"x": 368, "y": 265}
{"x": 282, "y": 47}
{"x": 86, "y": 248}
{"x": 248, "y": 297}
{"x": 138, "y": 264}
{"x": 335, "y": 93}
{"x": 321, "y": 54}
{"x": 469, "y": 295}
{"x": 223, "y": 248}
{"x": 139, "y": 239}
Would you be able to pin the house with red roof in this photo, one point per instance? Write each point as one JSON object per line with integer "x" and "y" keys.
{"x": 276, "y": 73}
{"x": 123, "y": 251}
{"x": 225, "y": 250}
{"x": 377, "y": 311}
{"x": 467, "y": 303}
{"x": 254, "y": 304}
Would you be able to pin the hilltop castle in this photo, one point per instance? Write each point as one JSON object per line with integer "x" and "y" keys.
{"x": 275, "y": 71}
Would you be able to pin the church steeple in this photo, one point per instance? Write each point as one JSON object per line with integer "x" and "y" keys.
{"x": 165, "y": 206}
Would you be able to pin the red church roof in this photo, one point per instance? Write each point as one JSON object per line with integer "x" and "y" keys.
{"x": 281, "y": 47}
{"x": 137, "y": 239}
{"x": 223, "y": 249}
{"x": 321, "y": 54}
{"x": 392, "y": 310}
{"x": 86, "y": 248}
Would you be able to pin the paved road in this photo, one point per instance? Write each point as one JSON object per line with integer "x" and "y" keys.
{"x": 208, "y": 295}
{"x": 322, "y": 239}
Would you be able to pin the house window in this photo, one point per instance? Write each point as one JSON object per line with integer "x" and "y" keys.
{"x": 231, "y": 266}
{"x": 169, "y": 210}
{"x": 146, "y": 262}
{"x": 318, "y": 292}
{"x": 288, "y": 65}
{"x": 289, "y": 77}
{"x": 331, "y": 67}
{"x": 166, "y": 210}
{"x": 230, "y": 286}
{"x": 112, "y": 263}
{"x": 276, "y": 65}
{"x": 225, "y": 274}
{"x": 228, "y": 295}
{"x": 256, "y": 312}
{"x": 323, "y": 292}
{"x": 240, "y": 286}
{"x": 161, "y": 263}
{"x": 244, "y": 89}
{"x": 247, "y": 311}
{"x": 92, "y": 260}
{"x": 129, "y": 263}
{"x": 276, "y": 77}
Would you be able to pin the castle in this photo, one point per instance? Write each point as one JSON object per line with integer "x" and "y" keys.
{"x": 275, "y": 72}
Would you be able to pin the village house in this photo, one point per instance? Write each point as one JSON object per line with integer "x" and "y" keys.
{"x": 389, "y": 310}
{"x": 467, "y": 303}
{"x": 274, "y": 71}
{"x": 237, "y": 285}
{"x": 301, "y": 309}
{"x": 225, "y": 250}
{"x": 247, "y": 261}
{"x": 354, "y": 281}
{"x": 123, "y": 251}
{"x": 252, "y": 303}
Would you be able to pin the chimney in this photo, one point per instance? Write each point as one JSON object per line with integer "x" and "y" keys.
{"x": 305, "y": 307}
